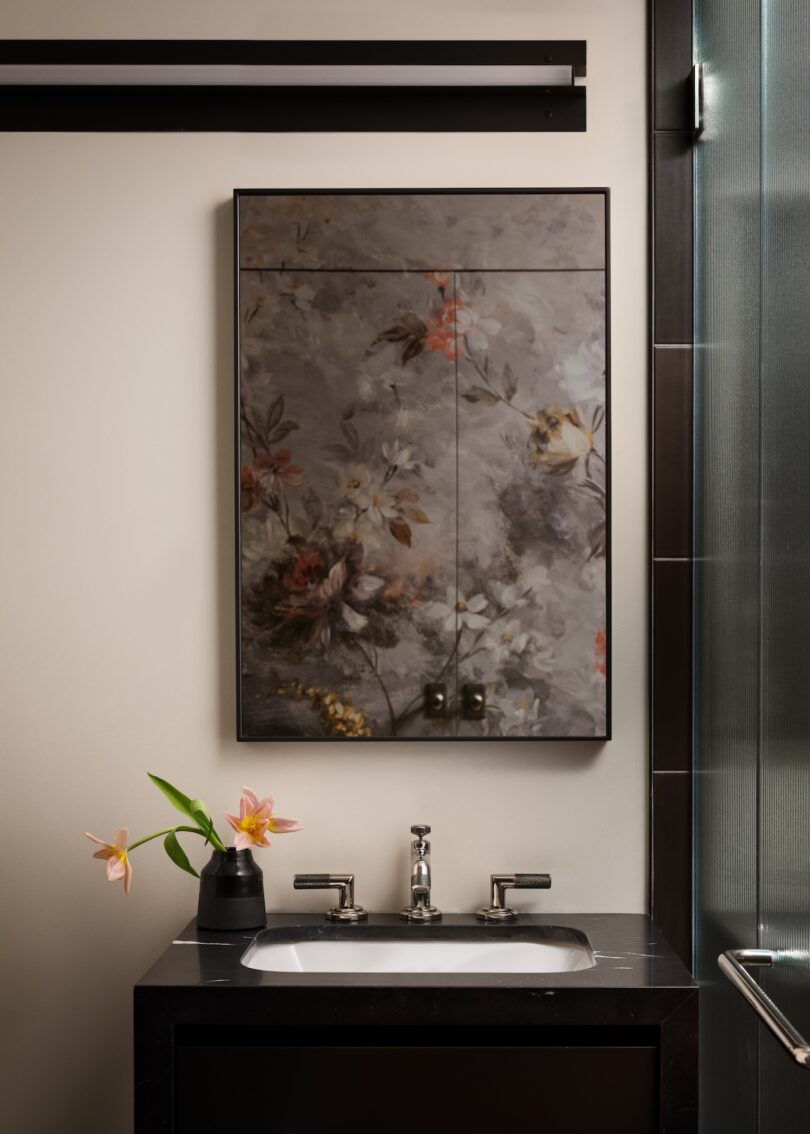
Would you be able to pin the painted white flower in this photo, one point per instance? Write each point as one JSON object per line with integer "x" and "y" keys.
{"x": 458, "y": 611}
{"x": 379, "y": 505}
{"x": 542, "y": 660}
{"x": 399, "y": 456}
{"x": 474, "y": 327}
{"x": 356, "y": 485}
{"x": 365, "y": 386}
{"x": 301, "y": 294}
{"x": 530, "y": 585}
{"x": 360, "y": 529}
{"x": 506, "y": 641}
{"x": 353, "y": 483}
{"x": 583, "y": 374}
{"x": 517, "y": 712}
{"x": 536, "y": 579}
{"x": 510, "y": 596}
{"x": 403, "y": 418}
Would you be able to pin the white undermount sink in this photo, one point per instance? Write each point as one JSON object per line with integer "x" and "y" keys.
{"x": 428, "y": 956}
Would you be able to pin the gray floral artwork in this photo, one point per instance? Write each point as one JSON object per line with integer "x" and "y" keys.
{"x": 423, "y": 463}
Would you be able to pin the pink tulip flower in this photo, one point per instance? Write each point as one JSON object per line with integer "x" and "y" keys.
{"x": 255, "y": 819}
{"x": 118, "y": 864}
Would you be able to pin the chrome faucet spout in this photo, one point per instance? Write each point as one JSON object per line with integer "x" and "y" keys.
{"x": 420, "y": 909}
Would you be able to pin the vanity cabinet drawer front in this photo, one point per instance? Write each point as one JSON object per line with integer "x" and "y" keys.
{"x": 396, "y": 1089}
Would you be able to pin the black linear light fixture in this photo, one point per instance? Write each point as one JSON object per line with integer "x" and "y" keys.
{"x": 251, "y": 85}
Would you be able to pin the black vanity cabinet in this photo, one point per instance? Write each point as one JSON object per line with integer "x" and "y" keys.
{"x": 491, "y": 1079}
{"x": 610, "y": 1049}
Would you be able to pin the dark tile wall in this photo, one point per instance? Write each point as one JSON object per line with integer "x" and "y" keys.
{"x": 671, "y": 274}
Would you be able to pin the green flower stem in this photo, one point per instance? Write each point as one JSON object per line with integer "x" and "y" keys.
{"x": 212, "y": 838}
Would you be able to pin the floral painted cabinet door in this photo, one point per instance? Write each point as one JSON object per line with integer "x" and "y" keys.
{"x": 533, "y": 500}
{"x": 422, "y": 463}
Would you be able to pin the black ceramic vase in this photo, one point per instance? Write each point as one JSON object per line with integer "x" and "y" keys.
{"x": 231, "y": 892}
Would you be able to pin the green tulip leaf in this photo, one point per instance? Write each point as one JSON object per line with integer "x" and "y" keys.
{"x": 177, "y": 854}
{"x": 203, "y": 817}
{"x": 174, "y": 796}
{"x": 193, "y": 809}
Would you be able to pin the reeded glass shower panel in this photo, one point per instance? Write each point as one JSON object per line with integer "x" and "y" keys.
{"x": 727, "y": 169}
{"x": 752, "y": 727}
{"x": 785, "y": 713}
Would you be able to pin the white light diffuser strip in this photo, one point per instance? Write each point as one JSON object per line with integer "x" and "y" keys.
{"x": 282, "y": 75}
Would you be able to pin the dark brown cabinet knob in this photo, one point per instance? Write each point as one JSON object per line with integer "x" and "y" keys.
{"x": 475, "y": 702}
{"x": 436, "y": 700}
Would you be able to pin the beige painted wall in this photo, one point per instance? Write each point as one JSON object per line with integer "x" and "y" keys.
{"x": 116, "y": 641}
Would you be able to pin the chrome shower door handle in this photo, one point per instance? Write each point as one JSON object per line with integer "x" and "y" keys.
{"x": 734, "y": 965}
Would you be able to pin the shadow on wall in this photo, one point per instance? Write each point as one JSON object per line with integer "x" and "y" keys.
{"x": 222, "y": 320}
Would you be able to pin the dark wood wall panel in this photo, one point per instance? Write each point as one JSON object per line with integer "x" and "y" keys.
{"x": 672, "y": 237}
{"x": 672, "y": 665}
{"x": 671, "y": 274}
{"x": 672, "y": 451}
{"x": 672, "y": 62}
{"x": 672, "y": 858}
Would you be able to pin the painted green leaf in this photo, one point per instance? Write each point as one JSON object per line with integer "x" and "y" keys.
{"x": 281, "y": 432}
{"x": 509, "y": 383}
{"x": 479, "y": 394}
{"x": 598, "y": 541}
{"x": 177, "y": 854}
{"x": 401, "y": 532}
{"x": 414, "y": 347}
{"x": 274, "y": 414}
{"x": 351, "y": 435}
{"x": 414, "y": 324}
{"x": 393, "y": 334}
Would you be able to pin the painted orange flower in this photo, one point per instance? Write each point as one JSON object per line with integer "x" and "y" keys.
{"x": 441, "y": 336}
{"x": 305, "y": 573}
{"x": 440, "y": 278}
{"x": 251, "y": 489}
{"x": 600, "y": 652}
{"x": 274, "y": 469}
{"x": 269, "y": 473}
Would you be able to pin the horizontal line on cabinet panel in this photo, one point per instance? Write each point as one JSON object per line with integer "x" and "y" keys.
{"x": 673, "y": 346}
{"x": 418, "y": 271}
{"x": 671, "y": 772}
{"x": 672, "y": 559}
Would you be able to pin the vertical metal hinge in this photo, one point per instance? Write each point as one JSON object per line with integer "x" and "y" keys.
{"x": 696, "y": 89}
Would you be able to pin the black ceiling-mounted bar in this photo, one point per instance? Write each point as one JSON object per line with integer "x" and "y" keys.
{"x": 234, "y": 85}
{"x": 502, "y": 52}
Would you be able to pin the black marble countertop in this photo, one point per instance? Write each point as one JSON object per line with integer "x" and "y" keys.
{"x": 198, "y": 997}
{"x": 631, "y": 956}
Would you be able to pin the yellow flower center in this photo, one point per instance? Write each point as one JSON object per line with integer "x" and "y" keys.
{"x": 354, "y": 483}
{"x": 250, "y": 825}
{"x": 506, "y": 638}
{"x": 461, "y": 606}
